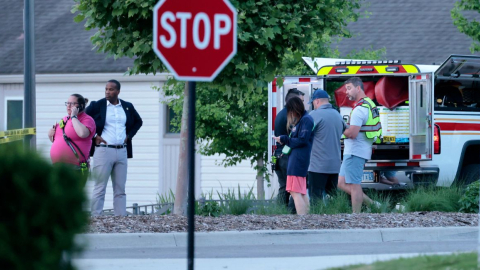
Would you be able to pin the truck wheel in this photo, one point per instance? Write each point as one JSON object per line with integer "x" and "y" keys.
{"x": 470, "y": 174}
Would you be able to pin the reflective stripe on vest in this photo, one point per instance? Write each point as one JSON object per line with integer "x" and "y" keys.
{"x": 373, "y": 127}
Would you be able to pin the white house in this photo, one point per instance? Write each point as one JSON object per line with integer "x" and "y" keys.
{"x": 153, "y": 168}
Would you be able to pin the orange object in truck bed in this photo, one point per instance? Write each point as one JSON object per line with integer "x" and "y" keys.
{"x": 341, "y": 98}
{"x": 391, "y": 91}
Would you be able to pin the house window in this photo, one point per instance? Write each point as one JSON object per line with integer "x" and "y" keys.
{"x": 14, "y": 115}
{"x": 171, "y": 128}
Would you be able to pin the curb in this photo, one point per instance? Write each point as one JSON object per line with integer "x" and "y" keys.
{"x": 277, "y": 237}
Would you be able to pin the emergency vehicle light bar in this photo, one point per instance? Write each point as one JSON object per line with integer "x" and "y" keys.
{"x": 344, "y": 63}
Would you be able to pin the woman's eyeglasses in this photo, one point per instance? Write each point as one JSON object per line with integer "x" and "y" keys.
{"x": 71, "y": 103}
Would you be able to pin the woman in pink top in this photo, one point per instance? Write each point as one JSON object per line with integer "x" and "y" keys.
{"x": 79, "y": 129}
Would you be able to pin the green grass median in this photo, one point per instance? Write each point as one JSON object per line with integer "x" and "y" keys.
{"x": 459, "y": 261}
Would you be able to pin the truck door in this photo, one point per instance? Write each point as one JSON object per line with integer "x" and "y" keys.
{"x": 420, "y": 96}
{"x": 305, "y": 84}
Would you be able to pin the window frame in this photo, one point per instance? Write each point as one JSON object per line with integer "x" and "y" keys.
{"x": 169, "y": 134}
{"x": 13, "y": 98}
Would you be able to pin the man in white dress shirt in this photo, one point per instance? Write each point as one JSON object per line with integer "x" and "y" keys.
{"x": 117, "y": 122}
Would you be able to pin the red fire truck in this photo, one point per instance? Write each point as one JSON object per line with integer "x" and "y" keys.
{"x": 430, "y": 115}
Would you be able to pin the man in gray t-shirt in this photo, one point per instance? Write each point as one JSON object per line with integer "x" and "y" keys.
{"x": 325, "y": 157}
{"x": 358, "y": 148}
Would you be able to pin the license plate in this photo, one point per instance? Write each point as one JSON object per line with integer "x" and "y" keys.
{"x": 389, "y": 139}
{"x": 368, "y": 177}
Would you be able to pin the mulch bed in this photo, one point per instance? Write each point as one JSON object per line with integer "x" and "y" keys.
{"x": 173, "y": 223}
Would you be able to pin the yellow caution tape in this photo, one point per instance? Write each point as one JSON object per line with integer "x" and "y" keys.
{"x": 18, "y": 132}
{"x": 11, "y": 139}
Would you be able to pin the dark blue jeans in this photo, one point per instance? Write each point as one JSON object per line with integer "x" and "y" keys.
{"x": 321, "y": 184}
{"x": 283, "y": 195}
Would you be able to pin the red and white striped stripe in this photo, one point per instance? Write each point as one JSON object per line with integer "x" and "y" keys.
{"x": 422, "y": 77}
{"x": 274, "y": 97}
{"x": 423, "y": 156}
{"x": 274, "y": 112}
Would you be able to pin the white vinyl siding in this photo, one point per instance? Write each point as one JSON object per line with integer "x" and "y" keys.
{"x": 216, "y": 177}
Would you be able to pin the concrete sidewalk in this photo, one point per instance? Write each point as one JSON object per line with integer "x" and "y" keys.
{"x": 277, "y": 237}
{"x": 289, "y": 263}
{"x": 142, "y": 241}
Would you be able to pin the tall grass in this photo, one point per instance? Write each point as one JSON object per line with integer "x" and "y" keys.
{"x": 236, "y": 202}
{"x": 385, "y": 200}
{"x": 270, "y": 209}
{"x": 233, "y": 204}
{"x": 165, "y": 199}
{"x": 336, "y": 204}
{"x": 432, "y": 198}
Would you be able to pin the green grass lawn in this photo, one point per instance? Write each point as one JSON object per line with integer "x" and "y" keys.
{"x": 459, "y": 261}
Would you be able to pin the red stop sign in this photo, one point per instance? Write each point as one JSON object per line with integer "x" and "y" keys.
{"x": 195, "y": 39}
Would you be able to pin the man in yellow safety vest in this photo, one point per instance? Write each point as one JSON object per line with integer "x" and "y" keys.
{"x": 363, "y": 129}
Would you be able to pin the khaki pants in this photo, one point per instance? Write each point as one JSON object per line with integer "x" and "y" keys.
{"x": 109, "y": 162}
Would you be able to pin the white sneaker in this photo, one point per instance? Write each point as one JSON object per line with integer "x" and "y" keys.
{"x": 400, "y": 207}
{"x": 377, "y": 204}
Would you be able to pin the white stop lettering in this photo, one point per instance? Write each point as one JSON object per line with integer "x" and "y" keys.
{"x": 200, "y": 18}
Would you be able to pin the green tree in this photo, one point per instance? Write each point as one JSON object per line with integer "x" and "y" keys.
{"x": 470, "y": 27}
{"x": 232, "y": 109}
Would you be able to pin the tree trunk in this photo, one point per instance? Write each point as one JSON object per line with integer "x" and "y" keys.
{"x": 180, "y": 205}
{"x": 260, "y": 180}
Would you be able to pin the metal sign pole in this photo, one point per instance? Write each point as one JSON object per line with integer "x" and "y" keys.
{"x": 191, "y": 174}
{"x": 29, "y": 114}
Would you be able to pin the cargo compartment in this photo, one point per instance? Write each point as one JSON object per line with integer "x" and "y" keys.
{"x": 395, "y": 129}
{"x": 391, "y": 94}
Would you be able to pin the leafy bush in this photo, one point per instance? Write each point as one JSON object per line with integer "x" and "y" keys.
{"x": 41, "y": 211}
{"x": 443, "y": 199}
{"x": 208, "y": 208}
{"x": 469, "y": 200}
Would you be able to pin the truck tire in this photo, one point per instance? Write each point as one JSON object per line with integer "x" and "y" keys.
{"x": 470, "y": 174}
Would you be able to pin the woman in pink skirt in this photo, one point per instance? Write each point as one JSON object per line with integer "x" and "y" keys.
{"x": 300, "y": 141}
